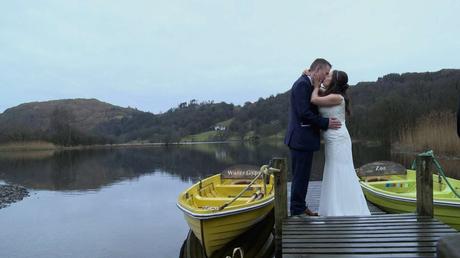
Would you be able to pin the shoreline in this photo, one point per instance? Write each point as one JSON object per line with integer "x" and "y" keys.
{"x": 45, "y": 146}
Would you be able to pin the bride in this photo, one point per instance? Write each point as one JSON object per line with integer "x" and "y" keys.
{"x": 341, "y": 193}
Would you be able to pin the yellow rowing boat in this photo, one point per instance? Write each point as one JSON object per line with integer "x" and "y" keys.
{"x": 394, "y": 190}
{"x": 223, "y": 206}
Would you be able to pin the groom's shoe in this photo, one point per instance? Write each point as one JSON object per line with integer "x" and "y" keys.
{"x": 308, "y": 212}
{"x": 298, "y": 216}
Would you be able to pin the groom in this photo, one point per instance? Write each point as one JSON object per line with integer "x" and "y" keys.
{"x": 303, "y": 133}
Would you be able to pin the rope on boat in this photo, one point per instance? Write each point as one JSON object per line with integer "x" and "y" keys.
{"x": 440, "y": 170}
{"x": 264, "y": 170}
{"x": 235, "y": 251}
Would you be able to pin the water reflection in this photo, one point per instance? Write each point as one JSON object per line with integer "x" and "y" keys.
{"x": 132, "y": 213}
{"x": 94, "y": 169}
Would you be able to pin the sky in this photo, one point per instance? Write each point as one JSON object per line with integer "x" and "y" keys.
{"x": 153, "y": 55}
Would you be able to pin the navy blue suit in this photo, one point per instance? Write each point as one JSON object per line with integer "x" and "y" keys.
{"x": 303, "y": 138}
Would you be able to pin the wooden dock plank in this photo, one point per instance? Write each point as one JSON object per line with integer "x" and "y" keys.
{"x": 365, "y": 235}
{"x": 315, "y": 222}
{"x": 364, "y": 224}
{"x": 314, "y": 195}
{"x": 375, "y": 236}
{"x": 388, "y": 235}
{"x": 363, "y": 240}
{"x": 423, "y": 255}
{"x": 327, "y": 245}
{"x": 366, "y": 250}
{"x": 404, "y": 215}
{"x": 336, "y": 227}
{"x": 370, "y": 234}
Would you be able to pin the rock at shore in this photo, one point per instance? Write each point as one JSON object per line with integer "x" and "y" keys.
{"x": 11, "y": 194}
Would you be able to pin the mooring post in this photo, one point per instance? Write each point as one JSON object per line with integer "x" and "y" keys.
{"x": 424, "y": 181}
{"x": 280, "y": 201}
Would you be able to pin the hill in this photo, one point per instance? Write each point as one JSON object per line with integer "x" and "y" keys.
{"x": 90, "y": 121}
{"x": 68, "y": 121}
{"x": 381, "y": 110}
{"x": 396, "y": 102}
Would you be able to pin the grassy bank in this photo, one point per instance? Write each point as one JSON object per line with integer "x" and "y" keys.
{"x": 437, "y": 131}
{"x": 35, "y": 147}
{"x": 201, "y": 137}
{"x": 26, "y": 146}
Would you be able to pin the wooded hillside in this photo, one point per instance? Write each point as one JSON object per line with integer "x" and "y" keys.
{"x": 381, "y": 110}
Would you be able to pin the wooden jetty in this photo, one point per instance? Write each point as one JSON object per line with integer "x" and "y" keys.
{"x": 314, "y": 192}
{"x": 390, "y": 235}
{"x": 378, "y": 235}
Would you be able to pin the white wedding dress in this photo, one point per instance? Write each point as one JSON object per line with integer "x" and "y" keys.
{"x": 341, "y": 193}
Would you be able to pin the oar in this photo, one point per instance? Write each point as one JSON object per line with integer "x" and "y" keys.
{"x": 241, "y": 193}
{"x": 265, "y": 169}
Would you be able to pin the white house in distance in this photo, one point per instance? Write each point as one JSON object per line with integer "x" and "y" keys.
{"x": 219, "y": 128}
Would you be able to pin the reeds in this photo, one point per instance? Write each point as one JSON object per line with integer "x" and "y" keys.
{"x": 437, "y": 131}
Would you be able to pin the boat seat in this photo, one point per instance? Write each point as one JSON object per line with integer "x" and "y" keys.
{"x": 229, "y": 198}
{"x": 254, "y": 197}
{"x": 209, "y": 203}
{"x": 383, "y": 182}
{"x": 376, "y": 179}
{"x": 241, "y": 182}
{"x": 239, "y": 186}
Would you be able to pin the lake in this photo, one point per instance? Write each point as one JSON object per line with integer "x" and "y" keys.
{"x": 122, "y": 202}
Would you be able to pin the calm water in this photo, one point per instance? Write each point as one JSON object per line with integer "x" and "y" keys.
{"x": 122, "y": 202}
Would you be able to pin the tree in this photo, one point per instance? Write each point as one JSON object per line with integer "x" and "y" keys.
{"x": 61, "y": 126}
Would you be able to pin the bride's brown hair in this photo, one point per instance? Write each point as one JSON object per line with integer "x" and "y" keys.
{"x": 339, "y": 85}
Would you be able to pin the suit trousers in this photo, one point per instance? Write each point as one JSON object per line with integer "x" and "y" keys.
{"x": 300, "y": 166}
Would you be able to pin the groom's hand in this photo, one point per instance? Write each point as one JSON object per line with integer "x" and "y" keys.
{"x": 334, "y": 123}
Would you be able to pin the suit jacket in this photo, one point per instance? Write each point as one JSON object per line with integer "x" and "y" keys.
{"x": 303, "y": 132}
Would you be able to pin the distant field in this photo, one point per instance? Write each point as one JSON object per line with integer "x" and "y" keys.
{"x": 217, "y": 136}
{"x": 201, "y": 137}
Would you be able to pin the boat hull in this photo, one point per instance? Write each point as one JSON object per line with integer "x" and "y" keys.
{"x": 215, "y": 233}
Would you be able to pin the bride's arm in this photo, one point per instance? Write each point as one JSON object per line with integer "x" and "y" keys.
{"x": 328, "y": 100}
